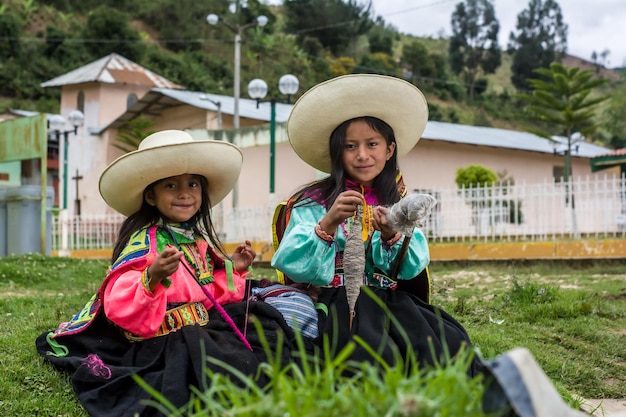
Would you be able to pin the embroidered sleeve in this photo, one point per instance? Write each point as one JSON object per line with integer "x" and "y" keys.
{"x": 132, "y": 307}
{"x": 302, "y": 254}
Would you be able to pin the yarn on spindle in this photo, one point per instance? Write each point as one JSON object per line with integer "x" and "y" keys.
{"x": 411, "y": 212}
{"x": 354, "y": 260}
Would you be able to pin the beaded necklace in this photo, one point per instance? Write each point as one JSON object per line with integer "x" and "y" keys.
{"x": 185, "y": 239}
{"x": 364, "y": 215}
{"x": 201, "y": 276}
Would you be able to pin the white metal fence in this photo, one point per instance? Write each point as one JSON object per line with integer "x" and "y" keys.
{"x": 541, "y": 211}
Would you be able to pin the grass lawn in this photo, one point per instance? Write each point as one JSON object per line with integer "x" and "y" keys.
{"x": 571, "y": 317}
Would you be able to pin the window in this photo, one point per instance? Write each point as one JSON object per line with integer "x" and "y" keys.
{"x": 558, "y": 172}
{"x": 80, "y": 102}
{"x": 130, "y": 100}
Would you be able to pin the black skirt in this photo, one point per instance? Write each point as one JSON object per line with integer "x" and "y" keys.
{"x": 170, "y": 364}
{"x": 429, "y": 333}
{"x": 173, "y": 363}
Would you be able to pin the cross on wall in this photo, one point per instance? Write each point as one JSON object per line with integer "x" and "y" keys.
{"x": 77, "y": 178}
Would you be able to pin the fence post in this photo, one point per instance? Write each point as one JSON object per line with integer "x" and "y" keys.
{"x": 64, "y": 220}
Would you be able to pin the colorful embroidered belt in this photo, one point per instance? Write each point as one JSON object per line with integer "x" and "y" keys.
{"x": 375, "y": 279}
{"x": 175, "y": 318}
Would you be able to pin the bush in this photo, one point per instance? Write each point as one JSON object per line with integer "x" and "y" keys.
{"x": 473, "y": 176}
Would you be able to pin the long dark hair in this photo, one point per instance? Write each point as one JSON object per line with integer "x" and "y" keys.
{"x": 327, "y": 190}
{"x": 149, "y": 215}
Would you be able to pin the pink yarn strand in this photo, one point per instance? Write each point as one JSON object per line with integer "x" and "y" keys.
{"x": 222, "y": 312}
{"x": 218, "y": 306}
{"x": 226, "y": 317}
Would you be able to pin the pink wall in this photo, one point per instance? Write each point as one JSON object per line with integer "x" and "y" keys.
{"x": 430, "y": 165}
{"x": 434, "y": 163}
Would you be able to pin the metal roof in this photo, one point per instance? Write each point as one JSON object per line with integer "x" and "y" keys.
{"x": 247, "y": 107}
{"x": 113, "y": 69}
{"x": 504, "y": 138}
{"x": 30, "y": 113}
{"x": 157, "y": 100}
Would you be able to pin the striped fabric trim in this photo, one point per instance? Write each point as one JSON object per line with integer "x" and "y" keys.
{"x": 296, "y": 307}
{"x": 184, "y": 315}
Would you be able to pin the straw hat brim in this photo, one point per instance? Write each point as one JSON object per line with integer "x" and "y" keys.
{"x": 123, "y": 182}
{"x": 325, "y": 106}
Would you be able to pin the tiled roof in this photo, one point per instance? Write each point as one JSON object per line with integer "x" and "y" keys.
{"x": 609, "y": 160}
{"x": 616, "y": 152}
{"x": 113, "y": 69}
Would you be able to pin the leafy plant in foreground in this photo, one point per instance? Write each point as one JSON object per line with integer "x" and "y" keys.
{"x": 336, "y": 386}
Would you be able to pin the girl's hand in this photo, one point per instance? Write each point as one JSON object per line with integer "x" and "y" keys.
{"x": 243, "y": 256}
{"x": 381, "y": 224}
{"x": 344, "y": 206}
{"x": 164, "y": 265}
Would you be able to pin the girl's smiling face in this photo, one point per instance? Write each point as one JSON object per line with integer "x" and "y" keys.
{"x": 177, "y": 198}
{"x": 365, "y": 152}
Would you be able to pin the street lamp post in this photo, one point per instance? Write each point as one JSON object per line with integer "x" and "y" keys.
{"x": 217, "y": 104}
{"x": 213, "y": 19}
{"x": 56, "y": 125}
{"x": 288, "y": 85}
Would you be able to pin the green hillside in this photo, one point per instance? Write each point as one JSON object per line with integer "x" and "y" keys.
{"x": 41, "y": 39}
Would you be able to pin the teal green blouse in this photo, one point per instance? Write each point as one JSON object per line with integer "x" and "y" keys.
{"x": 307, "y": 258}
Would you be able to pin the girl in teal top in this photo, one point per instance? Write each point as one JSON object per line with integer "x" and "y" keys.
{"x": 354, "y": 128}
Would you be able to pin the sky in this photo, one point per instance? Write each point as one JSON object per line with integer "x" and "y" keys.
{"x": 595, "y": 25}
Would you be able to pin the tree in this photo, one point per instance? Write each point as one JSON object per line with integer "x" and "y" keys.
{"x": 475, "y": 176}
{"x": 379, "y": 63}
{"x": 10, "y": 35}
{"x": 112, "y": 25}
{"x": 541, "y": 39}
{"x": 600, "y": 59}
{"x": 561, "y": 98}
{"x": 381, "y": 37}
{"x": 335, "y": 23}
{"x": 474, "y": 42}
{"x": 417, "y": 59}
{"x": 130, "y": 136}
{"x": 614, "y": 122}
{"x": 475, "y": 182}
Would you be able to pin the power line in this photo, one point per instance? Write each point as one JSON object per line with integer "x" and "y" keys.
{"x": 230, "y": 41}
{"x": 423, "y": 6}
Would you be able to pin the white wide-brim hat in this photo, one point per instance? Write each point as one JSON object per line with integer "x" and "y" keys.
{"x": 325, "y": 106}
{"x": 166, "y": 154}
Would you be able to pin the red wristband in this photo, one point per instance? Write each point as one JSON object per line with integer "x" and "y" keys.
{"x": 322, "y": 234}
